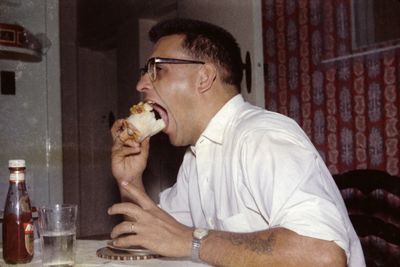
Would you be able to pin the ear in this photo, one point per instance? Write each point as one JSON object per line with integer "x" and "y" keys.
{"x": 207, "y": 76}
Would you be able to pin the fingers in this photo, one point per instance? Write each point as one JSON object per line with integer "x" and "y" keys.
{"x": 126, "y": 241}
{"x": 129, "y": 227}
{"x": 132, "y": 211}
{"x": 117, "y": 128}
{"x": 123, "y": 132}
{"x": 126, "y": 149}
{"x": 124, "y": 228}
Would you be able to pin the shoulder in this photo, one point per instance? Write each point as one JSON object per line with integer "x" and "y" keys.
{"x": 251, "y": 122}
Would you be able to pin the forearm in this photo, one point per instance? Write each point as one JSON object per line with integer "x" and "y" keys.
{"x": 276, "y": 247}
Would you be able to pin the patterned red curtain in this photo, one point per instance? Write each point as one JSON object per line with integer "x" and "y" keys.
{"x": 349, "y": 107}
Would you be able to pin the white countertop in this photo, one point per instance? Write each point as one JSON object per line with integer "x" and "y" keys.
{"x": 86, "y": 256}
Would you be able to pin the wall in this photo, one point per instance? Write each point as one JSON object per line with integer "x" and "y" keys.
{"x": 348, "y": 106}
{"x": 243, "y": 20}
{"x": 30, "y": 121}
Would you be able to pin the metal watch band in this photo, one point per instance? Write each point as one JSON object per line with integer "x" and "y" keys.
{"x": 196, "y": 243}
{"x": 198, "y": 235}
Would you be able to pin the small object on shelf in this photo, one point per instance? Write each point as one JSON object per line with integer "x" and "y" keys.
{"x": 17, "y": 43}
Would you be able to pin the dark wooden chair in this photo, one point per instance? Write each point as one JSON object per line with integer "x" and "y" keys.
{"x": 372, "y": 198}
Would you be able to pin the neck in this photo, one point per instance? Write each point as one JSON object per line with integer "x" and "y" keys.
{"x": 212, "y": 102}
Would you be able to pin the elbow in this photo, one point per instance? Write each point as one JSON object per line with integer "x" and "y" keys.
{"x": 334, "y": 258}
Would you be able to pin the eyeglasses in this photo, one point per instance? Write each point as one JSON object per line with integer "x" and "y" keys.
{"x": 151, "y": 65}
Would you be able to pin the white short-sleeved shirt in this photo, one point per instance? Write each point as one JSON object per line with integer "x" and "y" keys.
{"x": 251, "y": 170}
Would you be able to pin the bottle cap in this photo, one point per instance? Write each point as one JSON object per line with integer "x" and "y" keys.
{"x": 16, "y": 163}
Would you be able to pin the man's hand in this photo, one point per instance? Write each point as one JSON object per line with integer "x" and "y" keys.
{"x": 128, "y": 159}
{"x": 149, "y": 226}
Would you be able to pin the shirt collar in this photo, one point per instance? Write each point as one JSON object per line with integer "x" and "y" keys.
{"x": 216, "y": 127}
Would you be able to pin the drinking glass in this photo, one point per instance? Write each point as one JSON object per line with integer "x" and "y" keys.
{"x": 57, "y": 229}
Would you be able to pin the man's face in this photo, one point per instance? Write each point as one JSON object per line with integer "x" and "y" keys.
{"x": 173, "y": 92}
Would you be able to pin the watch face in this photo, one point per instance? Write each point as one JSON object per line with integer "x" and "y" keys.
{"x": 200, "y": 233}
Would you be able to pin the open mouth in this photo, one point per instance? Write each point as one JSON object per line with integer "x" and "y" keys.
{"x": 159, "y": 111}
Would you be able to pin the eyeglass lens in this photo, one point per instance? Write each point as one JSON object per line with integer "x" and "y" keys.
{"x": 151, "y": 66}
{"x": 150, "y": 69}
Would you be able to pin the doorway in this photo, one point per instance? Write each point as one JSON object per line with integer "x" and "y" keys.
{"x": 100, "y": 63}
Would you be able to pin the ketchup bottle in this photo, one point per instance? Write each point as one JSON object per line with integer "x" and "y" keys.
{"x": 17, "y": 220}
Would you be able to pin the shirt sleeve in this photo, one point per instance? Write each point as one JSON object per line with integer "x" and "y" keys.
{"x": 292, "y": 187}
{"x": 174, "y": 200}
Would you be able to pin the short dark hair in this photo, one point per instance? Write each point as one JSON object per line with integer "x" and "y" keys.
{"x": 205, "y": 41}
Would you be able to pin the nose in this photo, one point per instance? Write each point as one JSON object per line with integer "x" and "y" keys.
{"x": 144, "y": 83}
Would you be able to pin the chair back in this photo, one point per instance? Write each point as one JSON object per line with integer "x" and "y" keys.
{"x": 372, "y": 199}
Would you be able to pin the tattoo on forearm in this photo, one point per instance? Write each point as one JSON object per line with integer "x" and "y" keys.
{"x": 255, "y": 243}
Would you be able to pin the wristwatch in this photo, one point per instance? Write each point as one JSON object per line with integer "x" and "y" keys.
{"x": 198, "y": 235}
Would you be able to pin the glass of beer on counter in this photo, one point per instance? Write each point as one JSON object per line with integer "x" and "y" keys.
{"x": 57, "y": 229}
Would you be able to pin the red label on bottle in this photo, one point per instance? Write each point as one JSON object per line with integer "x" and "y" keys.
{"x": 28, "y": 228}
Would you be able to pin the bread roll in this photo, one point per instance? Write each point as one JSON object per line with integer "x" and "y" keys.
{"x": 141, "y": 123}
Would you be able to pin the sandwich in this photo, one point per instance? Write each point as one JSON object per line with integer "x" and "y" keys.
{"x": 141, "y": 123}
